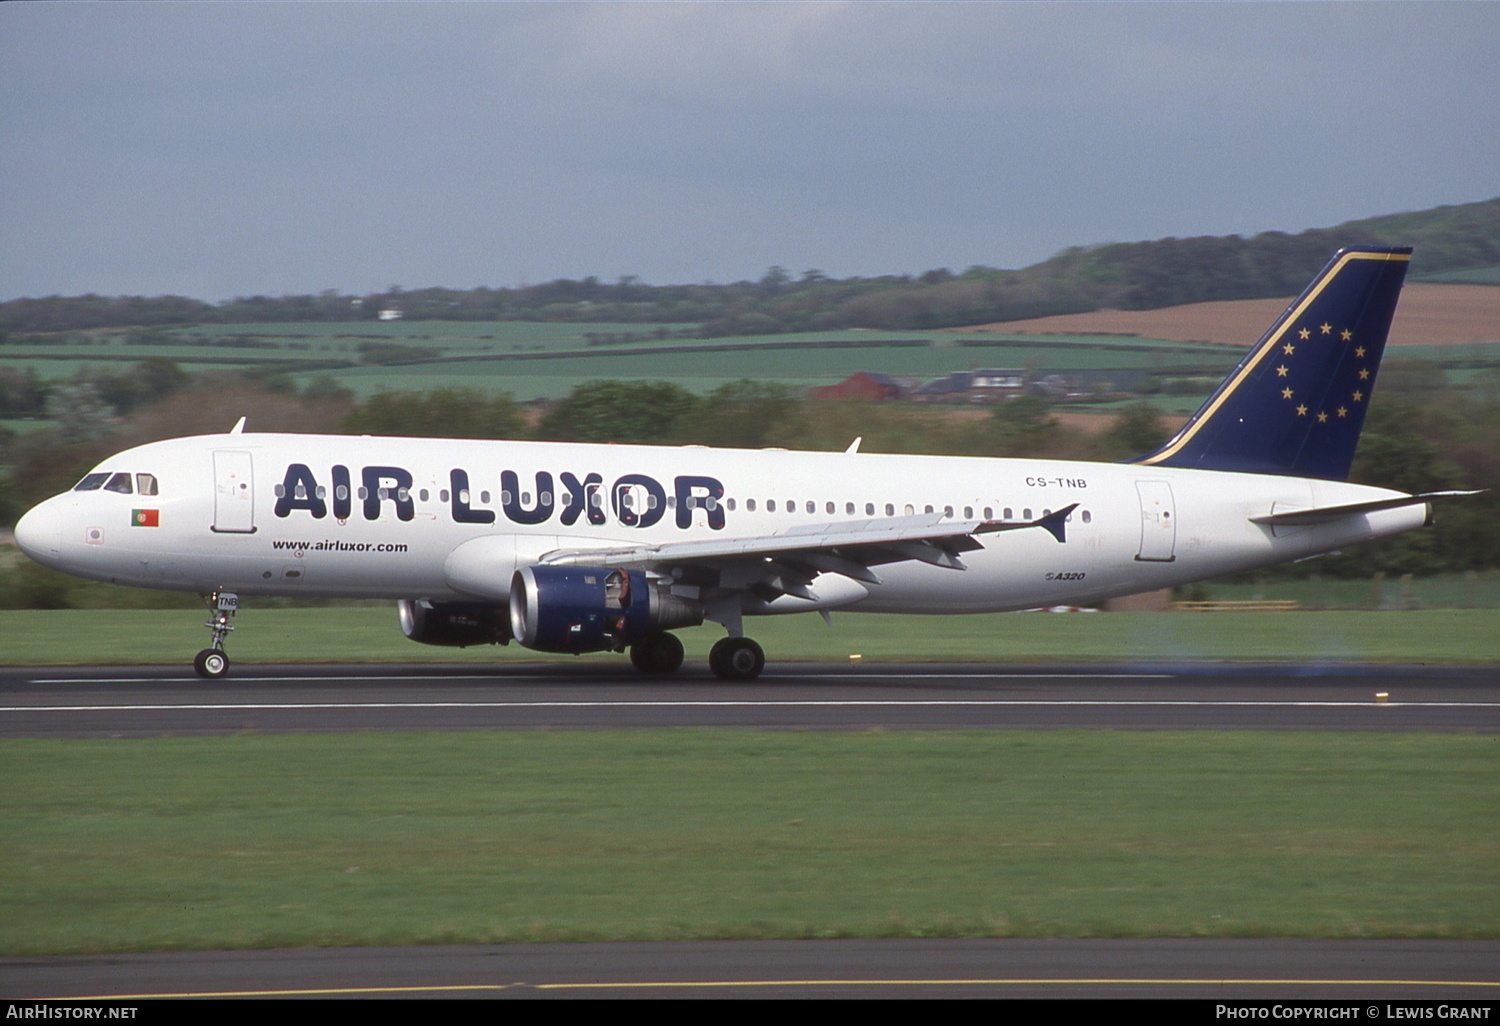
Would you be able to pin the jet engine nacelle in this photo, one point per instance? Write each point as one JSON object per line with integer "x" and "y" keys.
{"x": 455, "y": 624}
{"x": 592, "y": 609}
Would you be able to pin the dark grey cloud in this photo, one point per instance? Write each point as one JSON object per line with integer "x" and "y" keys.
{"x": 223, "y": 149}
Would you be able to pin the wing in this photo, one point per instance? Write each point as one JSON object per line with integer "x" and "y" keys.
{"x": 785, "y": 563}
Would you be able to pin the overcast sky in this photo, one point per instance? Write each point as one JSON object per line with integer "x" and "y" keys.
{"x": 223, "y": 149}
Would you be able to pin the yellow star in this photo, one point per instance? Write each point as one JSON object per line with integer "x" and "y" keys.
{"x": 1304, "y": 334}
{"x": 1358, "y": 395}
{"x": 1359, "y": 351}
{"x": 1343, "y": 412}
{"x": 1289, "y": 349}
{"x": 1364, "y": 375}
{"x": 1326, "y": 328}
{"x": 1346, "y": 334}
{"x": 1301, "y": 410}
{"x": 1286, "y": 393}
{"x": 1281, "y": 371}
{"x": 1322, "y": 417}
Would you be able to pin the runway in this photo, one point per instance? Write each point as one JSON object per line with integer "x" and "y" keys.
{"x": 1256, "y": 970}
{"x": 154, "y": 701}
{"x": 107, "y": 702}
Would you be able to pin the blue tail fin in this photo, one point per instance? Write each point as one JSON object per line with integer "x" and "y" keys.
{"x": 1295, "y": 404}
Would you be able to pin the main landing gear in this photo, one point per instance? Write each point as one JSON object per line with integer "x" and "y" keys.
{"x": 736, "y": 659}
{"x": 657, "y": 654}
{"x": 212, "y": 662}
{"x": 660, "y": 654}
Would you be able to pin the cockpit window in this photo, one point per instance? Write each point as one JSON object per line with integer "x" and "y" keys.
{"x": 118, "y": 483}
{"x": 145, "y": 484}
{"x": 92, "y": 483}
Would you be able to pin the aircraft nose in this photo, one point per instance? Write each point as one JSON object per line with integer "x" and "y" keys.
{"x": 39, "y": 534}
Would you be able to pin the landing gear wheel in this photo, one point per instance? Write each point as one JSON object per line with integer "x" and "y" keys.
{"x": 736, "y": 659}
{"x": 211, "y": 662}
{"x": 659, "y": 653}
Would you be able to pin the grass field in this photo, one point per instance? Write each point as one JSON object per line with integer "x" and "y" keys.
{"x": 471, "y": 838}
{"x": 370, "y": 634}
{"x": 531, "y": 360}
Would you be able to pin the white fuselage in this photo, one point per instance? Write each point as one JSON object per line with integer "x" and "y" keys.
{"x": 218, "y": 523}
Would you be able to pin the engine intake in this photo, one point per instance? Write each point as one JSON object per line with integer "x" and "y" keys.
{"x": 454, "y": 624}
{"x": 592, "y": 609}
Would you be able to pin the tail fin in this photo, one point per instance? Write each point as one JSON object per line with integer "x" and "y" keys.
{"x": 1295, "y": 404}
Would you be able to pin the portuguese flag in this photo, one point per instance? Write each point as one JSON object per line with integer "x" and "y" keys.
{"x": 145, "y": 518}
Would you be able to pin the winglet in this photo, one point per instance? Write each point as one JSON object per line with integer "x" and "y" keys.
{"x": 1053, "y": 523}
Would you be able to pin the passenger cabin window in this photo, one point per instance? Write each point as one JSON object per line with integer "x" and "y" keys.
{"x": 91, "y": 483}
{"x": 119, "y": 483}
{"x": 145, "y": 484}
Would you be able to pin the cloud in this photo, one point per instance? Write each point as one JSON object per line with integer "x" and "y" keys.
{"x": 221, "y": 149}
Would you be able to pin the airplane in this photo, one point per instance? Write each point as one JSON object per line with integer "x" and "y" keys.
{"x": 576, "y": 548}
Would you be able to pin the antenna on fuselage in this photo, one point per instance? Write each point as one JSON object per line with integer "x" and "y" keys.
{"x": 854, "y": 446}
{"x": 239, "y": 427}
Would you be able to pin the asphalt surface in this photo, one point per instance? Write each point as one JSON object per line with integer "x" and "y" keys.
{"x": 159, "y": 701}
{"x": 153, "y": 701}
{"x": 1355, "y": 972}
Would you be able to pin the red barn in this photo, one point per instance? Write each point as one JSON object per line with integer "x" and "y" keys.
{"x": 862, "y": 385}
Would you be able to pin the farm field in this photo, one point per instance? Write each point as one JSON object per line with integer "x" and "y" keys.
{"x": 545, "y": 361}
{"x": 1456, "y": 327}
{"x": 1428, "y": 315}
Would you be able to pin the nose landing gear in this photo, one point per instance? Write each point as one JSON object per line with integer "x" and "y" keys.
{"x": 212, "y": 662}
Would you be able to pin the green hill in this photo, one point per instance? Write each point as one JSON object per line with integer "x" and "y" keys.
{"x": 1452, "y": 240}
{"x": 1169, "y": 272}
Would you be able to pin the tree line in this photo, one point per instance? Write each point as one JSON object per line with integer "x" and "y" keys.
{"x": 1132, "y": 276}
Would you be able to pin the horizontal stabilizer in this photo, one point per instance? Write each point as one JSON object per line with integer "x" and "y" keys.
{"x": 1324, "y": 514}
